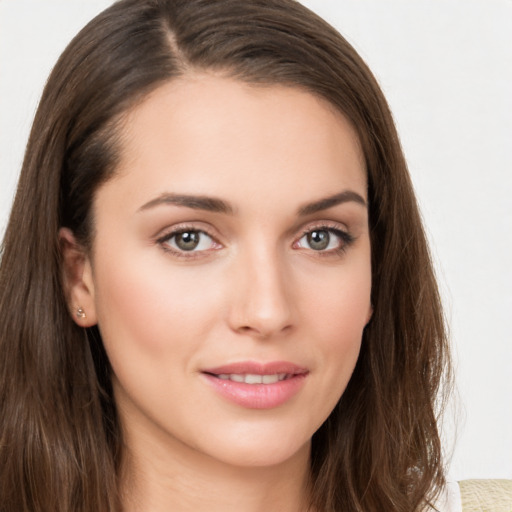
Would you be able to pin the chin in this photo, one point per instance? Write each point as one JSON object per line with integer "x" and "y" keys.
{"x": 255, "y": 448}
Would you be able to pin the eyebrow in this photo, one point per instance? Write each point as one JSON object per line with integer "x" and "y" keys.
{"x": 213, "y": 204}
{"x": 331, "y": 201}
{"x": 210, "y": 204}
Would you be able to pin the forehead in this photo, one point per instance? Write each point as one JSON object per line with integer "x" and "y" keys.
{"x": 206, "y": 134}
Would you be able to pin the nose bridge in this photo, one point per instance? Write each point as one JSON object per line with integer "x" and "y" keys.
{"x": 262, "y": 302}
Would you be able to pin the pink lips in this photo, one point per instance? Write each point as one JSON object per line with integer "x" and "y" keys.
{"x": 285, "y": 380}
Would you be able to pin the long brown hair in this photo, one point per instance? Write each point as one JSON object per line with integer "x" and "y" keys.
{"x": 60, "y": 441}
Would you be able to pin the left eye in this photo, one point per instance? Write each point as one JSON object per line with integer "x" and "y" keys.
{"x": 189, "y": 240}
{"x": 322, "y": 240}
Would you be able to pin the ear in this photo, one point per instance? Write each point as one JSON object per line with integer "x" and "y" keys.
{"x": 77, "y": 280}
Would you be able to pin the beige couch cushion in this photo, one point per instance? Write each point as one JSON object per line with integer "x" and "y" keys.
{"x": 486, "y": 495}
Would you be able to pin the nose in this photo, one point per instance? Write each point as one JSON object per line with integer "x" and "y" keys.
{"x": 261, "y": 302}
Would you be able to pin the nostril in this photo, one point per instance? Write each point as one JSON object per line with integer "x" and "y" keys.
{"x": 264, "y": 331}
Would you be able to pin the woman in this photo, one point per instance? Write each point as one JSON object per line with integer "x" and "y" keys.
{"x": 228, "y": 298}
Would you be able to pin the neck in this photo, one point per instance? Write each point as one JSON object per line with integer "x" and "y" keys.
{"x": 172, "y": 476}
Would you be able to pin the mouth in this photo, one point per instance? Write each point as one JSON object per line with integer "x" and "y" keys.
{"x": 253, "y": 378}
{"x": 257, "y": 386}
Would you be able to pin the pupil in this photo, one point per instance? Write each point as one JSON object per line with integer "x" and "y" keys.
{"x": 318, "y": 240}
{"x": 188, "y": 240}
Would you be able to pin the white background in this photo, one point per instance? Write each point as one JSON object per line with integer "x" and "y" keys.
{"x": 446, "y": 68}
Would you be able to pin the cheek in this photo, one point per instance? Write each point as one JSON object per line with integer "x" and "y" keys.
{"x": 339, "y": 303}
{"x": 143, "y": 306}
{"x": 337, "y": 312}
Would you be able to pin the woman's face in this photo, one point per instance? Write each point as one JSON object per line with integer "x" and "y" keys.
{"x": 230, "y": 274}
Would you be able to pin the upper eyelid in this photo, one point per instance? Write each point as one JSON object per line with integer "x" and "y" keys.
{"x": 337, "y": 231}
{"x": 327, "y": 225}
{"x": 296, "y": 233}
{"x": 182, "y": 228}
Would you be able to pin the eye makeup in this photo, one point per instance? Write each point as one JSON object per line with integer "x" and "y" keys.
{"x": 188, "y": 242}
{"x": 325, "y": 239}
{"x": 191, "y": 242}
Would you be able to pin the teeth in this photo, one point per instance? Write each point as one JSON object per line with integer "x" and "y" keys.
{"x": 251, "y": 378}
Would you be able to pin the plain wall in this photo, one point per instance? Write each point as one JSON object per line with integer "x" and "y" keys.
{"x": 446, "y": 68}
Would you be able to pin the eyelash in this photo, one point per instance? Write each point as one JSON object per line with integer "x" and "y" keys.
{"x": 346, "y": 240}
{"x": 163, "y": 241}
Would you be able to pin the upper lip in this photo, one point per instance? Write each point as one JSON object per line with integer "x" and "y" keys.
{"x": 257, "y": 368}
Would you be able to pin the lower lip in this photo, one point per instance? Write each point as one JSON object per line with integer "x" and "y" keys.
{"x": 257, "y": 396}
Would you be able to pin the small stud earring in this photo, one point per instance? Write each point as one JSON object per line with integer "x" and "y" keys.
{"x": 80, "y": 313}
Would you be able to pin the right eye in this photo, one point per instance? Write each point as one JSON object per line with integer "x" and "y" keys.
{"x": 188, "y": 241}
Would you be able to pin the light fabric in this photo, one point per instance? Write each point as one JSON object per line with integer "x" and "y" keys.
{"x": 476, "y": 496}
{"x": 486, "y": 495}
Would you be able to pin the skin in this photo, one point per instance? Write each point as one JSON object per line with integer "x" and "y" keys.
{"x": 253, "y": 290}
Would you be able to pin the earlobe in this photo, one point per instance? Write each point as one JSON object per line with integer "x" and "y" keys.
{"x": 77, "y": 280}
